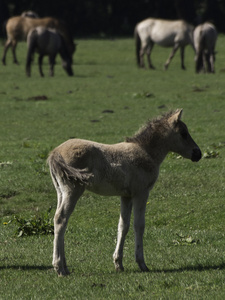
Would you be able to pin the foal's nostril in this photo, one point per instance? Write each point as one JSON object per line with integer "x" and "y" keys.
{"x": 196, "y": 154}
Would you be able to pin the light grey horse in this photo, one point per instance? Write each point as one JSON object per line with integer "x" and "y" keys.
{"x": 128, "y": 169}
{"x": 46, "y": 41}
{"x": 176, "y": 34}
{"x": 205, "y": 36}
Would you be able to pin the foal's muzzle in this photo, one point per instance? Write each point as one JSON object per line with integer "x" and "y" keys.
{"x": 196, "y": 154}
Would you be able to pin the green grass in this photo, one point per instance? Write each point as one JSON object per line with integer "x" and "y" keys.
{"x": 184, "y": 239}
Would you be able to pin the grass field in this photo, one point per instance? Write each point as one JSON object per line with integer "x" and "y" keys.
{"x": 184, "y": 240}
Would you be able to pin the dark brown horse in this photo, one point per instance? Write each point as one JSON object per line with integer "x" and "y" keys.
{"x": 47, "y": 41}
{"x": 17, "y": 29}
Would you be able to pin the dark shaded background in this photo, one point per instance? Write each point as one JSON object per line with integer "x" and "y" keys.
{"x": 101, "y": 18}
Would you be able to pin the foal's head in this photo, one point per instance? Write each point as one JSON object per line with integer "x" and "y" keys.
{"x": 180, "y": 141}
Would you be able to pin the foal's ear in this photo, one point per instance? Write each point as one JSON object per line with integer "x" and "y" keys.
{"x": 176, "y": 116}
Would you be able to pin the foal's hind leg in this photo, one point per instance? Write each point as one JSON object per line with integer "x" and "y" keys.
{"x": 67, "y": 199}
{"x": 139, "y": 204}
{"x": 123, "y": 227}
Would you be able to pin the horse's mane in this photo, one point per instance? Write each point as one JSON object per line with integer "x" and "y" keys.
{"x": 153, "y": 128}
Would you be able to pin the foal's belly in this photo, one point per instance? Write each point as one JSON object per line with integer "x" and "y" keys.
{"x": 107, "y": 189}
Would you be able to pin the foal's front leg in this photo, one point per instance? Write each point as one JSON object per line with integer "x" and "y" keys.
{"x": 123, "y": 227}
{"x": 139, "y": 204}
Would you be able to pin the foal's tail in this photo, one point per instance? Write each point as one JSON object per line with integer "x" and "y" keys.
{"x": 59, "y": 168}
{"x": 137, "y": 44}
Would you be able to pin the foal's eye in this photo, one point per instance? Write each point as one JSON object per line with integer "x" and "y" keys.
{"x": 184, "y": 134}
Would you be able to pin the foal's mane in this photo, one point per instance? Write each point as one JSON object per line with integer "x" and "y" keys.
{"x": 152, "y": 129}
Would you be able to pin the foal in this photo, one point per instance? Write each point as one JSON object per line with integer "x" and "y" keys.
{"x": 128, "y": 169}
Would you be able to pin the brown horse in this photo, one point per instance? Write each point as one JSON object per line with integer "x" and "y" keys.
{"x": 17, "y": 29}
{"x": 128, "y": 169}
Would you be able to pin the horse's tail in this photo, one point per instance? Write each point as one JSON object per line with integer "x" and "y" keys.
{"x": 60, "y": 169}
{"x": 31, "y": 43}
{"x": 137, "y": 44}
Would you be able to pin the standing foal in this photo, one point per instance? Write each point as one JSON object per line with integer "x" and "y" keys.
{"x": 128, "y": 169}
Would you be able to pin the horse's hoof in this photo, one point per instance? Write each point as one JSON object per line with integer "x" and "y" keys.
{"x": 119, "y": 267}
{"x": 143, "y": 267}
{"x": 63, "y": 272}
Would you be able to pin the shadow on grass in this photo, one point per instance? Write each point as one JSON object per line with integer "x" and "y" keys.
{"x": 27, "y": 268}
{"x": 199, "y": 268}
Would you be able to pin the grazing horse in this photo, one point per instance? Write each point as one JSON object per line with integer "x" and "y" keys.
{"x": 176, "y": 34}
{"x": 47, "y": 42}
{"x": 17, "y": 29}
{"x": 128, "y": 169}
{"x": 205, "y": 36}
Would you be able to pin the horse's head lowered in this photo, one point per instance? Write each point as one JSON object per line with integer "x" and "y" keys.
{"x": 181, "y": 141}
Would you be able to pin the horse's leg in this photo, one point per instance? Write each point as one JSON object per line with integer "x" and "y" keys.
{"x": 6, "y": 47}
{"x": 139, "y": 204}
{"x": 142, "y": 53}
{"x": 175, "y": 48}
{"x": 211, "y": 59}
{"x": 205, "y": 61}
{"x": 40, "y": 59}
{"x": 123, "y": 227}
{"x": 52, "y": 63}
{"x": 28, "y": 63}
{"x": 143, "y": 50}
{"x": 67, "y": 199}
{"x": 149, "y": 51}
{"x": 182, "y": 57}
{"x": 14, "y": 44}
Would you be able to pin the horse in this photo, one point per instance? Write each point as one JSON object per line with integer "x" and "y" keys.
{"x": 176, "y": 34}
{"x": 17, "y": 29}
{"x": 128, "y": 169}
{"x": 205, "y": 36}
{"x": 47, "y": 41}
